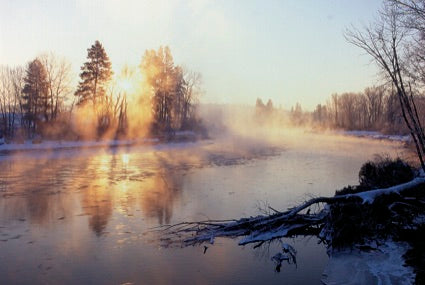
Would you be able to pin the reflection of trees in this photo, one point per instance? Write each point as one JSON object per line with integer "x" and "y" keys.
{"x": 160, "y": 195}
{"x": 49, "y": 190}
{"x": 112, "y": 181}
{"x": 31, "y": 190}
{"x": 97, "y": 204}
{"x": 96, "y": 199}
{"x": 34, "y": 189}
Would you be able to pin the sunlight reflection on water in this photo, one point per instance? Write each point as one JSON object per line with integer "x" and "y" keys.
{"x": 82, "y": 217}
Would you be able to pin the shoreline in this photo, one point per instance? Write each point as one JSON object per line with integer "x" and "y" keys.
{"x": 375, "y": 135}
{"x": 383, "y": 264}
{"x": 57, "y": 145}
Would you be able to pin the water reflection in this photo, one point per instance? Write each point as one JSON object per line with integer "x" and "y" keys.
{"x": 101, "y": 184}
{"x": 160, "y": 194}
{"x": 29, "y": 191}
{"x": 97, "y": 204}
{"x": 72, "y": 216}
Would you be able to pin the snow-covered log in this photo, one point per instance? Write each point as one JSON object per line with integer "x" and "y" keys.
{"x": 295, "y": 221}
{"x": 370, "y": 196}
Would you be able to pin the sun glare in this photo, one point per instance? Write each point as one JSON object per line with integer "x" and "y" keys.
{"x": 127, "y": 81}
{"x": 125, "y": 85}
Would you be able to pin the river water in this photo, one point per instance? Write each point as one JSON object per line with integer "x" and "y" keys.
{"x": 81, "y": 216}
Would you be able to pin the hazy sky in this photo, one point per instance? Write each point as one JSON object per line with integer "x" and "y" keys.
{"x": 286, "y": 50}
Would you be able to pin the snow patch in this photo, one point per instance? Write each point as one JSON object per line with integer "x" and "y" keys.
{"x": 375, "y": 135}
{"x": 381, "y": 266}
{"x": 272, "y": 234}
{"x": 369, "y": 196}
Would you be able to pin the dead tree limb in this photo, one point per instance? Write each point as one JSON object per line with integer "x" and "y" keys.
{"x": 259, "y": 229}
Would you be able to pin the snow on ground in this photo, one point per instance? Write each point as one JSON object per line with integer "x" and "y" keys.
{"x": 381, "y": 266}
{"x": 375, "y": 135}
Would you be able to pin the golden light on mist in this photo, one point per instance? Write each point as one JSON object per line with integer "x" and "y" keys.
{"x": 128, "y": 82}
{"x": 126, "y": 89}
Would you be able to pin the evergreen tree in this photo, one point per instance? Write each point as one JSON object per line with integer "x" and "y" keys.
{"x": 96, "y": 72}
{"x": 35, "y": 95}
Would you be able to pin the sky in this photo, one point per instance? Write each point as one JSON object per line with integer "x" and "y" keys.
{"x": 285, "y": 50}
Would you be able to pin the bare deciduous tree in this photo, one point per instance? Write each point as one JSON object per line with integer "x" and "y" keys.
{"x": 191, "y": 93}
{"x": 11, "y": 84}
{"x": 375, "y": 104}
{"x": 59, "y": 78}
{"x": 386, "y": 42}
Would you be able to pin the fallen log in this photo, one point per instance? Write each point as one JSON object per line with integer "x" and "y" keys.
{"x": 295, "y": 221}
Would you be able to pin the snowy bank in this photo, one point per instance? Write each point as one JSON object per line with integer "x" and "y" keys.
{"x": 57, "y": 145}
{"x": 375, "y": 135}
{"x": 30, "y": 145}
{"x": 381, "y": 265}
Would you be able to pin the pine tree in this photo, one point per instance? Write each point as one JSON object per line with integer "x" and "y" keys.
{"x": 96, "y": 72}
{"x": 35, "y": 95}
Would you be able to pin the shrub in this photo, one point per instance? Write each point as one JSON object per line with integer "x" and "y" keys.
{"x": 384, "y": 172}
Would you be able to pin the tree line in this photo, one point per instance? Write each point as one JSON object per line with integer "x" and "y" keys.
{"x": 374, "y": 109}
{"x": 395, "y": 43}
{"x": 40, "y": 101}
{"x": 33, "y": 96}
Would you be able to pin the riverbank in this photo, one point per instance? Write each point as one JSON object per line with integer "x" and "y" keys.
{"x": 48, "y": 145}
{"x": 375, "y": 135}
{"x": 381, "y": 264}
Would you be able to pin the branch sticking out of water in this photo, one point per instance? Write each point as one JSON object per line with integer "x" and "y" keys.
{"x": 295, "y": 221}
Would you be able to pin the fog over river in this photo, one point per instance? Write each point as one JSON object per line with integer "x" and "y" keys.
{"x": 82, "y": 216}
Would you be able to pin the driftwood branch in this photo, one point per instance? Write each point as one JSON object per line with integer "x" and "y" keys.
{"x": 259, "y": 229}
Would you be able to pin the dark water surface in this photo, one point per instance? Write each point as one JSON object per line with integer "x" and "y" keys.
{"x": 81, "y": 216}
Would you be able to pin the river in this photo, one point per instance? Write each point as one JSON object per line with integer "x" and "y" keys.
{"x": 83, "y": 216}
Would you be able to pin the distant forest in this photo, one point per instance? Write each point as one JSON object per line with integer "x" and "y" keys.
{"x": 39, "y": 101}
{"x": 395, "y": 43}
{"x": 377, "y": 108}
